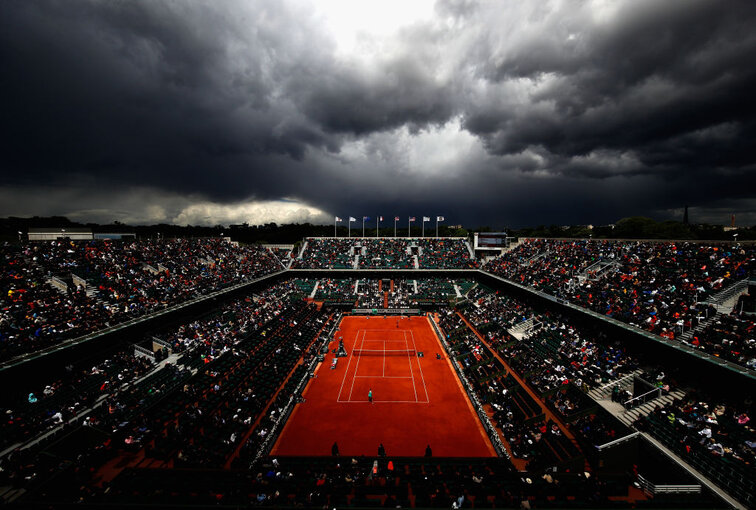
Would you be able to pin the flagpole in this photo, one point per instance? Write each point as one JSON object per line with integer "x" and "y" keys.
{"x": 334, "y": 227}
{"x": 394, "y": 226}
{"x": 376, "y": 226}
{"x": 408, "y": 227}
{"x": 423, "y": 235}
{"x": 349, "y": 230}
{"x": 363, "y": 226}
{"x": 436, "y": 227}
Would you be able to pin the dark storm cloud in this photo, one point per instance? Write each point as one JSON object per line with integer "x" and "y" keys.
{"x": 579, "y": 111}
{"x": 653, "y": 75}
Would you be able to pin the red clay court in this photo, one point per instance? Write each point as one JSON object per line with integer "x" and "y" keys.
{"x": 416, "y": 400}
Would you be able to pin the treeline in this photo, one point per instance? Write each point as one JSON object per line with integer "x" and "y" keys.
{"x": 13, "y": 229}
{"x": 639, "y": 227}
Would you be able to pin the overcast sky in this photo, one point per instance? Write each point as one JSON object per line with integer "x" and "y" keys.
{"x": 505, "y": 113}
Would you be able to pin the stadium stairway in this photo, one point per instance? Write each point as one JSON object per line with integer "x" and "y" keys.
{"x": 629, "y": 416}
{"x": 725, "y": 300}
{"x": 9, "y": 494}
{"x": 301, "y": 252}
{"x": 604, "y": 392}
{"x": 534, "y": 258}
{"x": 469, "y": 248}
{"x": 687, "y": 335}
{"x": 522, "y": 329}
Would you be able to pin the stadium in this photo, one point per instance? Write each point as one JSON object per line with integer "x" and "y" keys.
{"x": 362, "y": 372}
{"x": 377, "y": 253}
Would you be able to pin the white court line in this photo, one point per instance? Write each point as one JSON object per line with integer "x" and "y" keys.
{"x": 410, "y": 364}
{"x": 356, "y": 367}
{"x": 422, "y": 377}
{"x": 383, "y": 377}
{"x": 346, "y": 372}
{"x": 384, "y": 402}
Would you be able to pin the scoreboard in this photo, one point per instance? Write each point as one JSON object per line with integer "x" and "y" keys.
{"x": 490, "y": 240}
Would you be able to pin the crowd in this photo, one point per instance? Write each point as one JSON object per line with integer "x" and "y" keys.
{"x": 732, "y": 337}
{"x": 450, "y": 253}
{"x": 386, "y": 253}
{"x": 217, "y": 401}
{"x": 57, "y": 290}
{"x": 337, "y": 289}
{"x": 387, "y": 292}
{"x": 716, "y": 438}
{"x": 365, "y": 482}
{"x": 557, "y": 360}
{"x": 196, "y": 410}
{"x": 30, "y": 413}
{"x": 327, "y": 254}
{"x": 661, "y": 287}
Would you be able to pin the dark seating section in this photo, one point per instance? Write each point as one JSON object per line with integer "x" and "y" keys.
{"x": 190, "y": 430}
{"x": 52, "y": 291}
{"x": 387, "y": 293}
{"x": 327, "y": 254}
{"x": 445, "y": 254}
{"x": 715, "y": 438}
{"x": 371, "y": 483}
{"x": 386, "y": 253}
{"x": 732, "y": 337}
{"x": 661, "y": 287}
{"x": 43, "y": 408}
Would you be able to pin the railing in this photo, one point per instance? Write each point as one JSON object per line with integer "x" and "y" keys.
{"x": 162, "y": 343}
{"x": 642, "y": 399}
{"x": 58, "y": 284}
{"x": 609, "y": 387}
{"x": 616, "y": 442}
{"x": 535, "y": 257}
{"x": 653, "y": 489}
{"x": 139, "y": 350}
{"x": 723, "y": 295}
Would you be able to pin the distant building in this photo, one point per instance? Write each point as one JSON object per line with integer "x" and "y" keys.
{"x": 52, "y": 234}
{"x": 75, "y": 234}
{"x": 115, "y": 235}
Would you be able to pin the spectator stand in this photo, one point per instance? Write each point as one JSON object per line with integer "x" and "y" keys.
{"x": 679, "y": 347}
{"x": 663, "y": 287}
{"x": 714, "y": 439}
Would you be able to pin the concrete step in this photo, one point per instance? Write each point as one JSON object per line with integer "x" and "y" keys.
{"x": 13, "y": 494}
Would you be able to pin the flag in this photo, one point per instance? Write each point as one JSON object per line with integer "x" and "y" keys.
{"x": 338, "y": 219}
{"x": 426, "y": 218}
{"x": 439, "y": 218}
{"x": 380, "y": 218}
{"x": 352, "y": 219}
{"x": 396, "y": 218}
{"x": 412, "y": 218}
{"x": 365, "y": 218}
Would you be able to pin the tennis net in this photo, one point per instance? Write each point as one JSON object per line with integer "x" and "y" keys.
{"x": 383, "y": 352}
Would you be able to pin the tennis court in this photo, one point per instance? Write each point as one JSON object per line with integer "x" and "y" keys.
{"x": 417, "y": 399}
